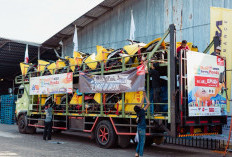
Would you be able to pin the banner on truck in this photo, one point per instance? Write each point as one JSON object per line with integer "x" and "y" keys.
{"x": 221, "y": 25}
{"x": 204, "y": 89}
{"x": 129, "y": 81}
{"x": 52, "y": 84}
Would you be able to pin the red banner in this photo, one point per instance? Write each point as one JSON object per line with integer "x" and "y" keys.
{"x": 206, "y": 81}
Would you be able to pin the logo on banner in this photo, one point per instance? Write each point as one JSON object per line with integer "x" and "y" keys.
{"x": 211, "y": 109}
{"x": 220, "y": 61}
{"x": 141, "y": 70}
{"x": 206, "y": 81}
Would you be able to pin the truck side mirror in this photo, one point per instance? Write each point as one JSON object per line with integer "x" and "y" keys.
{"x": 221, "y": 77}
{"x": 10, "y": 90}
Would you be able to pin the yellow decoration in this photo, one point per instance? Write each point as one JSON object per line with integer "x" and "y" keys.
{"x": 41, "y": 65}
{"x": 52, "y": 68}
{"x": 78, "y": 58}
{"x": 24, "y": 67}
{"x": 76, "y": 99}
{"x": 131, "y": 99}
{"x": 58, "y": 98}
{"x": 97, "y": 98}
{"x": 156, "y": 40}
{"x": 91, "y": 58}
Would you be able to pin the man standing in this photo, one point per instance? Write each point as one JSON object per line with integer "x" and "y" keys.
{"x": 183, "y": 46}
{"x": 155, "y": 75}
{"x": 49, "y": 104}
{"x": 141, "y": 128}
{"x": 217, "y": 52}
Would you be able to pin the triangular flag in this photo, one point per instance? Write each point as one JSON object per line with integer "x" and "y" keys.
{"x": 75, "y": 40}
{"x": 26, "y": 59}
{"x": 76, "y": 55}
{"x": 132, "y": 27}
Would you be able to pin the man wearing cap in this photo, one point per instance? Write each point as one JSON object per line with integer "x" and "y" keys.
{"x": 217, "y": 51}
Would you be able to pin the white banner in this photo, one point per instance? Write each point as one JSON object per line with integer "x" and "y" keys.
{"x": 204, "y": 89}
{"x": 52, "y": 84}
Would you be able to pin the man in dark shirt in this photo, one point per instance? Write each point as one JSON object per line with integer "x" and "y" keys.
{"x": 155, "y": 75}
{"x": 49, "y": 104}
{"x": 141, "y": 128}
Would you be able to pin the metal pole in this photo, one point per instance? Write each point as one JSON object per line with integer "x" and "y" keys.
{"x": 172, "y": 80}
{"x": 38, "y": 53}
{"x": 123, "y": 94}
{"x": 158, "y": 44}
{"x": 209, "y": 47}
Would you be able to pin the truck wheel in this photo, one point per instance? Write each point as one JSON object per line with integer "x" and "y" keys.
{"x": 105, "y": 135}
{"x": 23, "y": 128}
{"x": 159, "y": 140}
{"x": 123, "y": 141}
{"x": 22, "y": 124}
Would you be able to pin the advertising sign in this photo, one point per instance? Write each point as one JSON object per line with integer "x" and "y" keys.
{"x": 205, "y": 97}
{"x": 52, "y": 84}
{"x": 129, "y": 81}
{"x": 221, "y": 25}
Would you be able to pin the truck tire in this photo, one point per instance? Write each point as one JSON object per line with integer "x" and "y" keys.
{"x": 23, "y": 128}
{"x": 22, "y": 124}
{"x": 104, "y": 134}
{"x": 123, "y": 141}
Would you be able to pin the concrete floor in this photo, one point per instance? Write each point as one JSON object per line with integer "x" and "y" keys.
{"x": 12, "y": 143}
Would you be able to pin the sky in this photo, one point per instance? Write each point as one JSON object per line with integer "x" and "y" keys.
{"x": 37, "y": 20}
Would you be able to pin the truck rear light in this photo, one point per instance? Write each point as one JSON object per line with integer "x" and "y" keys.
{"x": 203, "y": 121}
{"x": 190, "y": 122}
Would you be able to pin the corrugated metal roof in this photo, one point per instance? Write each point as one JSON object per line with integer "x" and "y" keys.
{"x": 81, "y": 22}
{"x": 12, "y": 53}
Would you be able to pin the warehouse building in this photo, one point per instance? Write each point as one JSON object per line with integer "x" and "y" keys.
{"x": 108, "y": 24}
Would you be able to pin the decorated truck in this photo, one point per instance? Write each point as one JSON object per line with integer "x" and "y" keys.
{"x": 96, "y": 93}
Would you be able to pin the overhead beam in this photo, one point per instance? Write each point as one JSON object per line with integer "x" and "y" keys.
{"x": 73, "y": 25}
{"x": 105, "y": 7}
{"x": 90, "y": 17}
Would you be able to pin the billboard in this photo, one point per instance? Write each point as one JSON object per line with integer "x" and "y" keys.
{"x": 128, "y": 81}
{"x": 52, "y": 84}
{"x": 205, "y": 97}
{"x": 221, "y": 25}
